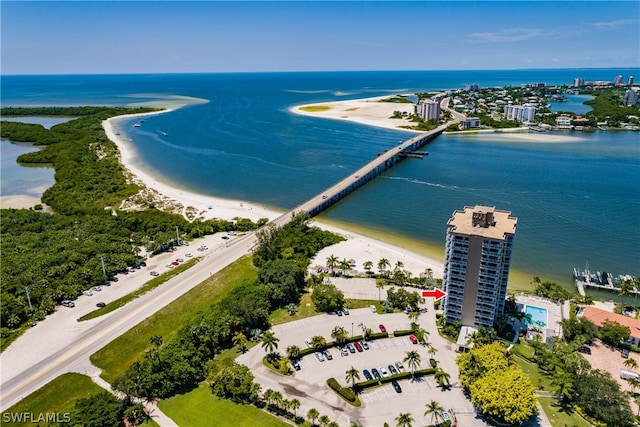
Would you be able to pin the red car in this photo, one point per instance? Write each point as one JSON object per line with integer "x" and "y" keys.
{"x": 358, "y": 346}
{"x": 413, "y": 339}
{"x": 175, "y": 263}
{"x": 382, "y": 328}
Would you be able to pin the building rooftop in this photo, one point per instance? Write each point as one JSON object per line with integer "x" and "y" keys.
{"x": 599, "y": 316}
{"x": 485, "y": 221}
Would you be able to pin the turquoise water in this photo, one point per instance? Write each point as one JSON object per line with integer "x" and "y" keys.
{"x": 538, "y": 315}
{"x": 577, "y": 201}
{"x": 574, "y": 104}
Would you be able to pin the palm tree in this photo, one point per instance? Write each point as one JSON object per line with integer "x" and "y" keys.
{"x": 269, "y": 341}
{"x": 626, "y": 288}
{"x": 432, "y": 351}
{"x": 634, "y": 383}
{"x": 367, "y": 333}
{"x": 380, "y": 285}
{"x": 404, "y": 420}
{"x": 312, "y": 414}
{"x": 564, "y": 381}
{"x": 442, "y": 377}
{"x": 368, "y": 265}
{"x": 435, "y": 409}
{"x": 156, "y": 341}
{"x": 631, "y": 363}
{"x": 318, "y": 342}
{"x": 240, "y": 340}
{"x": 399, "y": 265}
{"x": 339, "y": 334}
{"x": 383, "y": 264}
{"x": 277, "y": 398}
{"x": 291, "y": 308}
{"x": 332, "y": 262}
{"x": 293, "y": 352}
{"x": 413, "y": 315}
{"x": 268, "y": 396}
{"x": 351, "y": 376}
{"x": 333, "y": 424}
{"x": 295, "y": 405}
{"x": 323, "y": 420}
{"x": 344, "y": 265}
{"x": 412, "y": 360}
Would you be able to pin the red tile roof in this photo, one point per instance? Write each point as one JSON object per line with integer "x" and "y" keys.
{"x": 598, "y": 317}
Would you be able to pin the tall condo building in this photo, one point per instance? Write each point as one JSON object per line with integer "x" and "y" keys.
{"x": 476, "y": 265}
{"x": 428, "y": 109}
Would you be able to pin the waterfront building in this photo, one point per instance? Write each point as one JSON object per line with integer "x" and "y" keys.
{"x": 578, "y": 82}
{"x": 476, "y": 268}
{"x": 563, "y": 121}
{"x": 630, "y": 98}
{"x": 618, "y": 80}
{"x": 428, "y": 109}
{"x": 598, "y": 317}
{"x": 521, "y": 113}
{"x": 630, "y": 81}
{"x": 473, "y": 87}
{"x": 470, "y": 123}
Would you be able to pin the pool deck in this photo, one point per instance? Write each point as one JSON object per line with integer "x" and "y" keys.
{"x": 555, "y": 313}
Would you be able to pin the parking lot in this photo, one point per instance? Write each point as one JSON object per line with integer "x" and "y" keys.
{"x": 380, "y": 404}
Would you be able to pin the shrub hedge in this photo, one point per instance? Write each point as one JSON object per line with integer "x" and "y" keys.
{"x": 402, "y": 332}
{"x": 346, "y": 393}
{"x": 433, "y": 363}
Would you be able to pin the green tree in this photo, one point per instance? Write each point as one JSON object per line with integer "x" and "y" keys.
{"x": 442, "y": 378}
{"x": 380, "y": 284}
{"x": 323, "y": 420}
{"x": 295, "y": 405}
{"x": 318, "y": 342}
{"x": 339, "y": 334}
{"x": 383, "y": 264}
{"x": 100, "y": 410}
{"x": 293, "y": 352}
{"x": 332, "y": 263}
{"x": 352, "y": 375}
{"x": 404, "y": 420}
{"x": 235, "y": 382}
{"x": 269, "y": 341}
{"x": 327, "y": 297}
{"x": 435, "y": 410}
{"x": 630, "y": 363}
{"x": 614, "y": 333}
{"x": 240, "y": 340}
{"x": 564, "y": 383}
{"x": 313, "y": 414}
{"x": 368, "y": 265}
{"x": 412, "y": 359}
{"x": 599, "y": 395}
{"x": 135, "y": 414}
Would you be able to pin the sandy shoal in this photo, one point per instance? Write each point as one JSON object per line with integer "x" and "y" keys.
{"x": 357, "y": 246}
{"x": 19, "y": 202}
{"x": 367, "y": 111}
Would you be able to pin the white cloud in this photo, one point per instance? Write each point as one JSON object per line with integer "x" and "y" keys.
{"x": 612, "y": 25}
{"x": 510, "y": 35}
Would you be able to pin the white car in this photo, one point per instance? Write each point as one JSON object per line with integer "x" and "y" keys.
{"x": 188, "y": 255}
{"x": 373, "y": 309}
{"x": 97, "y": 288}
{"x": 308, "y": 343}
{"x": 88, "y": 293}
{"x": 383, "y": 371}
{"x": 169, "y": 266}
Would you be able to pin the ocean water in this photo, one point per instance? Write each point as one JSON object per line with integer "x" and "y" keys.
{"x": 575, "y": 202}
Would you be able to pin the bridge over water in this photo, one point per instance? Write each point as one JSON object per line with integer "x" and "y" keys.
{"x": 366, "y": 173}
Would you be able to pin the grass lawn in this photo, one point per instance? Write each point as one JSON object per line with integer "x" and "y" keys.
{"x": 58, "y": 397}
{"x": 118, "y": 355}
{"x": 306, "y": 308}
{"x": 538, "y": 377}
{"x": 201, "y": 408}
{"x": 150, "y": 285}
{"x": 559, "y": 416}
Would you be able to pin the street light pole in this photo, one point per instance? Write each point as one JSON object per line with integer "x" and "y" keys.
{"x": 103, "y": 270}
{"x": 26, "y": 289}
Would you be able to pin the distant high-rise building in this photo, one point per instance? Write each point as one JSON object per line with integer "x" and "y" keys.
{"x": 578, "y": 82}
{"x": 428, "y": 109}
{"x": 618, "y": 80}
{"x": 630, "y": 98}
{"x": 520, "y": 113}
{"x": 476, "y": 267}
{"x": 472, "y": 87}
{"x": 630, "y": 81}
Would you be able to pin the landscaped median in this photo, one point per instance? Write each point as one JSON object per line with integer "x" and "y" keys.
{"x": 344, "y": 392}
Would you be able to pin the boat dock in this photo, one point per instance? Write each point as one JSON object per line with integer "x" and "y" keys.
{"x": 599, "y": 280}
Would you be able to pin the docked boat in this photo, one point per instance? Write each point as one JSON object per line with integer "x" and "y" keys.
{"x": 137, "y": 125}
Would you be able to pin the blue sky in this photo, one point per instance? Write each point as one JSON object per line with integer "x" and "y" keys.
{"x": 174, "y": 37}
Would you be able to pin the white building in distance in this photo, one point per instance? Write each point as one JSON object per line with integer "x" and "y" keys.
{"x": 520, "y": 113}
{"x": 428, "y": 109}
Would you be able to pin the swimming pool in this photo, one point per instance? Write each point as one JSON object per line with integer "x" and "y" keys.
{"x": 538, "y": 315}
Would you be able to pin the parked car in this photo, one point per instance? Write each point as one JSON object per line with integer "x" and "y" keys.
{"x": 174, "y": 263}
{"x": 113, "y": 279}
{"x": 585, "y": 349}
{"x": 106, "y": 283}
{"x": 345, "y": 310}
{"x": 367, "y": 375}
{"x": 392, "y": 369}
{"x": 296, "y": 365}
{"x": 375, "y": 374}
{"x": 351, "y": 348}
{"x": 169, "y": 265}
{"x": 358, "y": 346}
{"x": 225, "y": 237}
{"x": 180, "y": 260}
{"x": 188, "y": 255}
{"x": 97, "y": 288}
{"x": 365, "y": 345}
{"x": 319, "y": 356}
{"x": 154, "y": 273}
{"x": 68, "y": 303}
{"x": 400, "y": 366}
{"x": 373, "y": 309}
{"x": 87, "y": 293}
{"x": 131, "y": 269}
{"x": 100, "y": 304}
{"x": 344, "y": 351}
{"x": 413, "y": 339}
{"x": 624, "y": 353}
{"x": 328, "y": 355}
{"x": 308, "y": 343}
{"x": 396, "y": 386}
{"x": 339, "y": 313}
{"x": 383, "y": 371}
{"x": 382, "y": 328}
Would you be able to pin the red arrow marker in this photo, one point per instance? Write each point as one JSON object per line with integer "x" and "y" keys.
{"x": 436, "y": 293}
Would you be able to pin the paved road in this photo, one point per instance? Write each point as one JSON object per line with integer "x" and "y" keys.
{"x": 60, "y": 344}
